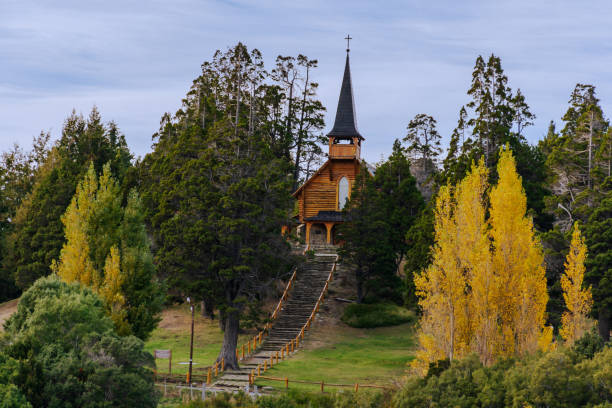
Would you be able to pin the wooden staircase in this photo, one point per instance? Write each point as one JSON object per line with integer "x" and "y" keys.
{"x": 310, "y": 282}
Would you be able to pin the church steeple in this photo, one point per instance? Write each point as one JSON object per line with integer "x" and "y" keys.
{"x": 344, "y": 138}
{"x": 345, "y": 125}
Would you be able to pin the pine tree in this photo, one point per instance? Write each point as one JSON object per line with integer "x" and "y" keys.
{"x": 423, "y": 141}
{"x": 598, "y": 236}
{"x": 381, "y": 210}
{"x": 578, "y": 300}
{"x": 573, "y": 158}
{"x": 518, "y": 263}
{"x": 216, "y": 188}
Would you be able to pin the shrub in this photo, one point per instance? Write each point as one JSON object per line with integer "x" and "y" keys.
{"x": 69, "y": 353}
{"x": 376, "y": 315}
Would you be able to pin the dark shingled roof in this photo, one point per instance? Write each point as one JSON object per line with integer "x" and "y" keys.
{"x": 346, "y": 122}
{"x": 326, "y": 216}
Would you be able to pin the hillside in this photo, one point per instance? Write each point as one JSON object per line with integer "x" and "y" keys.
{"x": 6, "y": 310}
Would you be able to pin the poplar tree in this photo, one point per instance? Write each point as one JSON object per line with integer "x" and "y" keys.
{"x": 578, "y": 300}
{"x": 518, "y": 262}
{"x": 485, "y": 290}
{"x": 446, "y": 326}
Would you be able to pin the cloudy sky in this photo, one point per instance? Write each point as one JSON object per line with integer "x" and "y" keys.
{"x": 135, "y": 60}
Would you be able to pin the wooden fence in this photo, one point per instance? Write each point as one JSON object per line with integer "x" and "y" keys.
{"x": 323, "y": 384}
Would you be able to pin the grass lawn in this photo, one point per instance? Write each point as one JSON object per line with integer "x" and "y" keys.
{"x": 173, "y": 333}
{"x": 340, "y": 354}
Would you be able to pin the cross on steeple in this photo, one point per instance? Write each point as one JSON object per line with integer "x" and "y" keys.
{"x": 348, "y": 39}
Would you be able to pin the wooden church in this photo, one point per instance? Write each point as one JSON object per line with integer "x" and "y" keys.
{"x": 322, "y": 197}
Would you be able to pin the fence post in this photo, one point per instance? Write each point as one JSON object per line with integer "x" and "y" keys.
{"x": 322, "y": 385}
{"x": 208, "y": 375}
{"x": 356, "y": 387}
{"x": 216, "y": 368}
{"x": 258, "y": 370}
{"x": 222, "y": 363}
{"x": 203, "y": 391}
{"x": 286, "y": 383}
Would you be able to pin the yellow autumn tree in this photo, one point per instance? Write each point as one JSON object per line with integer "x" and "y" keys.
{"x": 75, "y": 263}
{"x": 480, "y": 329}
{"x": 518, "y": 262}
{"x": 446, "y": 323}
{"x": 93, "y": 201}
{"x": 578, "y": 301}
{"x": 485, "y": 291}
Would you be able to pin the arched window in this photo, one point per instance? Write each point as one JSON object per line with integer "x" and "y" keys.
{"x": 343, "y": 192}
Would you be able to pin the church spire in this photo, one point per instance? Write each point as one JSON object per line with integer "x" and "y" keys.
{"x": 345, "y": 125}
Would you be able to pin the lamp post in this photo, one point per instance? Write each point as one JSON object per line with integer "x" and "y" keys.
{"x": 191, "y": 342}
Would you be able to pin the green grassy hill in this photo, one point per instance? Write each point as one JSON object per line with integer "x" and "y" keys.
{"x": 332, "y": 351}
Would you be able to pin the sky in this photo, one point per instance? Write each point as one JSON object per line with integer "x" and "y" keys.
{"x": 135, "y": 60}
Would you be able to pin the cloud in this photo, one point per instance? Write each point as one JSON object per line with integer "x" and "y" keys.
{"x": 136, "y": 60}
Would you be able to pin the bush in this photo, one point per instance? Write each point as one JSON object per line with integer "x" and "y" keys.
{"x": 69, "y": 354}
{"x": 376, "y": 315}
{"x": 550, "y": 380}
{"x": 296, "y": 399}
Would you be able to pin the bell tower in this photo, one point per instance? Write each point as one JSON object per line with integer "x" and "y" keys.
{"x": 344, "y": 138}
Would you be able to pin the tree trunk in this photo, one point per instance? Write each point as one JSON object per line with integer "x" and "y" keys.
{"x": 230, "y": 341}
{"x": 222, "y": 320}
{"x": 604, "y": 323}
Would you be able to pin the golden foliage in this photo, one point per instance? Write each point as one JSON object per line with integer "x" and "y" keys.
{"x": 485, "y": 291}
{"x": 518, "y": 262}
{"x": 75, "y": 262}
{"x": 578, "y": 301}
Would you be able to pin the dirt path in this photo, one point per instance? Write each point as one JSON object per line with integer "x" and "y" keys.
{"x": 6, "y": 310}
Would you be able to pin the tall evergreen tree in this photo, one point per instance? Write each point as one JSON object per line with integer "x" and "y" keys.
{"x": 18, "y": 170}
{"x": 598, "y": 236}
{"x": 381, "y": 210}
{"x": 493, "y": 117}
{"x": 573, "y": 159}
{"x": 217, "y": 190}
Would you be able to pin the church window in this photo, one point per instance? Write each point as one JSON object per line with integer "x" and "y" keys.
{"x": 343, "y": 192}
